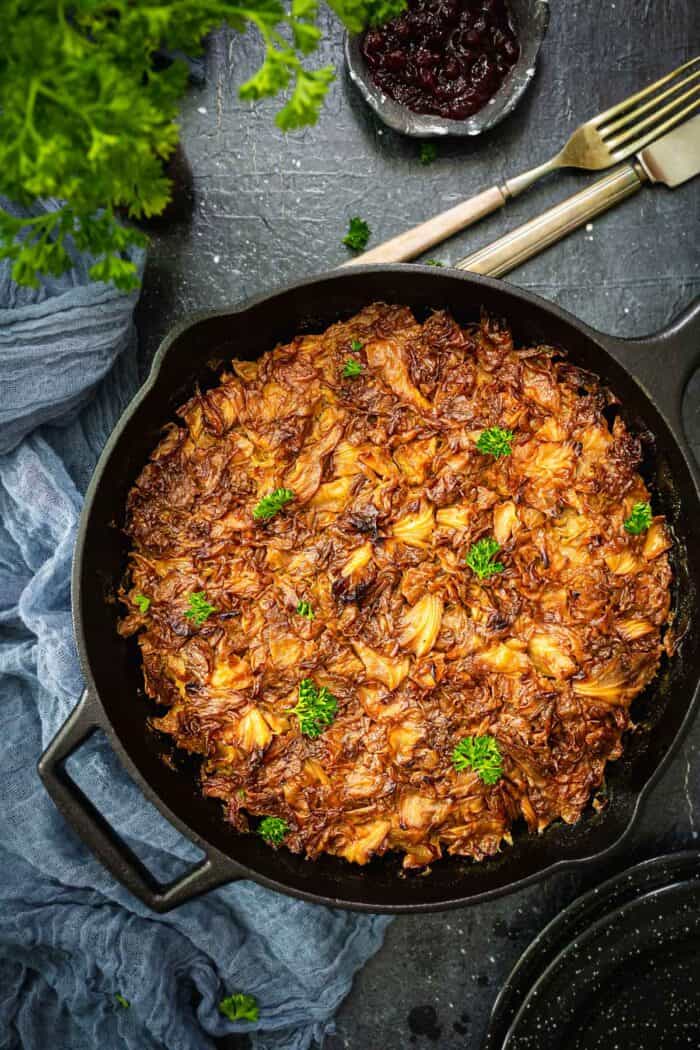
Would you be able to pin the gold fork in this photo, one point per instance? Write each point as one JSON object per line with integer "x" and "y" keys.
{"x": 604, "y": 140}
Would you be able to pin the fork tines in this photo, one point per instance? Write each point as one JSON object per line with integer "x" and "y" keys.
{"x": 625, "y": 125}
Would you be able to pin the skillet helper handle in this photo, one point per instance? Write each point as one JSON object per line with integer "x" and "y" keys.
{"x": 418, "y": 240}
{"x": 101, "y": 838}
{"x": 663, "y": 363}
{"x": 534, "y": 236}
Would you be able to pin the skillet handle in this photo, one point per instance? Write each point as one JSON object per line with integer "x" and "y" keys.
{"x": 102, "y": 839}
{"x": 663, "y": 363}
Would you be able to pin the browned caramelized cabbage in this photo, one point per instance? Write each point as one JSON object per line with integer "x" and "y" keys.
{"x": 390, "y": 492}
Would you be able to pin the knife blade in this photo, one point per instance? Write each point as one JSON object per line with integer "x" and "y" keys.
{"x": 671, "y": 160}
{"x": 674, "y": 158}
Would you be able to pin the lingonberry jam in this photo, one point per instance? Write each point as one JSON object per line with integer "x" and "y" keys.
{"x": 446, "y": 57}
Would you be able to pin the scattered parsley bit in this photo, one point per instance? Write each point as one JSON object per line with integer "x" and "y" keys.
{"x": 304, "y": 609}
{"x": 316, "y": 708}
{"x": 481, "y": 755}
{"x": 352, "y": 369}
{"x": 241, "y": 792}
{"x": 428, "y": 153}
{"x": 639, "y": 520}
{"x": 199, "y": 608}
{"x": 122, "y": 1001}
{"x": 480, "y": 557}
{"x": 356, "y": 346}
{"x": 272, "y": 504}
{"x": 433, "y": 262}
{"x": 273, "y": 830}
{"x": 141, "y": 602}
{"x": 358, "y": 234}
{"x": 239, "y": 1006}
{"x": 495, "y": 442}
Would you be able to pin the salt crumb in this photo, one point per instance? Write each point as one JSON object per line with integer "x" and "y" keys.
{"x": 202, "y": 110}
{"x": 589, "y": 227}
{"x": 217, "y": 258}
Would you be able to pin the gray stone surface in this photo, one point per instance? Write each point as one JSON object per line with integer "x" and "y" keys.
{"x": 268, "y": 209}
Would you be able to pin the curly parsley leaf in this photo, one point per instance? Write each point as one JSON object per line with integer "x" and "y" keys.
{"x": 304, "y": 609}
{"x": 481, "y": 755}
{"x": 480, "y": 557}
{"x": 273, "y": 830}
{"x": 428, "y": 153}
{"x": 355, "y": 346}
{"x": 306, "y": 100}
{"x": 199, "y": 609}
{"x": 141, "y": 602}
{"x": 239, "y": 1006}
{"x": 87, "y": 117}
{"x": 495, "y": 442}
{"x": 352, "y": 368}
{"x": 356, "y": 14}
{"x": 316, "y": 708}
{"x": 358, "y": 234}
{"x": 639, "y": 520}
{"x": 272, "y": 504}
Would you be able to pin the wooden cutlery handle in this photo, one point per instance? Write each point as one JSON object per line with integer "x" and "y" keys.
{"x": 416, "y": 241}
{"x": 525, "y": 241}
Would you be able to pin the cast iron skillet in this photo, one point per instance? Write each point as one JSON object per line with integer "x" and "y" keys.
{"x": 647, "y": 375}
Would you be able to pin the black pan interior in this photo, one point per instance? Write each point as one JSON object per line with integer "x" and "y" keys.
{"x": 195, "y": 356}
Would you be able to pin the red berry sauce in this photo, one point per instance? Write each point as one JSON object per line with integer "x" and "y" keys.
{"x": 446, "y": 57}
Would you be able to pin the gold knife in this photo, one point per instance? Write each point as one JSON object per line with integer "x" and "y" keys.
{"x": 671, "y": 160}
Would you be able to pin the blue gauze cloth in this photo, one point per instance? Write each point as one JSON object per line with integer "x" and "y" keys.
{"x": 70, "y": 937}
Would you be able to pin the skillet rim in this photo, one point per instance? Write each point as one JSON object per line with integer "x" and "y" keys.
{"x": 232, "y": 869}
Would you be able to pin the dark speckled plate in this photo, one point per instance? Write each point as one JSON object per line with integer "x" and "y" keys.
{"x": 617, "y": 970}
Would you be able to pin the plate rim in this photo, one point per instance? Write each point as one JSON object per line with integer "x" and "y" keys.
{"x": 591, "y": 931}
{"x": 612, "y": 894}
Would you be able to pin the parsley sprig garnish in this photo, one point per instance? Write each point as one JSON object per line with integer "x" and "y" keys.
{"x": 141, "y": 602}
{"x": 352, "y": 368}
{"x": 481, "y": 755}
{"x": 480, "y": 557}
{"x": 87, "y": 116}
{"x": 639, "y": 520}
{"x": 273, "y": 830}
{"x": 240, "y": 1007}
{"x": 358, "y": 234}
{"x": 272, "y": 504}
{"x": 495, "y": 442}
{"x": 355, "y": 346}
{"x": 199, "y": 609}
{"x": 315, "y": 709}
{"x": 304, "y": 609}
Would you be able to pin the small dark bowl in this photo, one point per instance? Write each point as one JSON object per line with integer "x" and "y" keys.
{"x": 531, "y": 19}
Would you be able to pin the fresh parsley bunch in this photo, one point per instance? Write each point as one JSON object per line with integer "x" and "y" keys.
{"x": 87, "y": 118}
